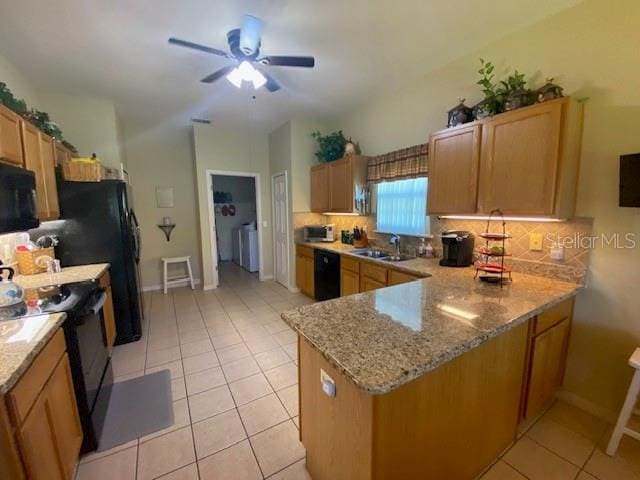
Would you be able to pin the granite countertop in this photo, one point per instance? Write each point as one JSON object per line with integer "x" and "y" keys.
{"x": 385, "y": 338}
{"x": 78, "y": 273}
{"x": 420, "y": 267}
{"x": 20, "y": 342}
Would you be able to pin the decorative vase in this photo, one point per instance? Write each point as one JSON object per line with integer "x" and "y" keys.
{"x": 517, "y": 99}
{"x": 349, "y": 148}
{"x": 459, "y": 114}
{"x": 548, "y": 91}
{"x": 482, "y": 109}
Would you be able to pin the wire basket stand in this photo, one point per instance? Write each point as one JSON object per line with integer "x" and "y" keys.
{"x": 491, "y": 259}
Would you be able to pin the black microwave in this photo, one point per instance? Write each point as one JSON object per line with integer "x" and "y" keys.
{"x": 18, "y": 207}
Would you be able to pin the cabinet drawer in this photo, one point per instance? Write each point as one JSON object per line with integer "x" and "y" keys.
{"x": 396, "y": 277}
{"x": 379, "y": 274}
{"x": 551, "y": 317}
{"x": 23, "y": 395}
{"x": 350, "y": 264}
{"x": 304, "y": 251}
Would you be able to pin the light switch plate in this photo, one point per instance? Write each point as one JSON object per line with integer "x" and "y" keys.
{"x": 557, "y": 253}
{"x": 535, "y": 242}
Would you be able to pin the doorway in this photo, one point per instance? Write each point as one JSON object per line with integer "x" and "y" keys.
{"x": 235, "y": 219}
{"x": 280, "y": 228}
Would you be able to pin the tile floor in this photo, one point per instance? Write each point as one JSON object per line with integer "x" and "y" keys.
{"x": 234, "y": 381}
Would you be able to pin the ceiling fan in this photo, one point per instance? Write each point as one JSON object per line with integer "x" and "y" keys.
{"x": 244, "y": 46}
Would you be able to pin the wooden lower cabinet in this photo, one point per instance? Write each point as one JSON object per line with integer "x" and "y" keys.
{"x": 465, "y": 409}
{"x": 367, "y": 284}
{"x": 109, "y": 316}
{"x": 305, "y": 270}
{"x": 42, "y": 422}
{"x": 547, "y": 359}
{"x": 51, "y": 435}
{"x": 349, "y": 282}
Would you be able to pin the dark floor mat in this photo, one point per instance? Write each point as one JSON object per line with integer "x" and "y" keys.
{"x": 137, "y": 407}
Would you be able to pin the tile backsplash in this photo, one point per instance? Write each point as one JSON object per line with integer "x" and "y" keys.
{"x": 573, "y": 268}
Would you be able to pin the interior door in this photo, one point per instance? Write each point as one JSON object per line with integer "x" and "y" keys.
{"x": 280, "y": 228}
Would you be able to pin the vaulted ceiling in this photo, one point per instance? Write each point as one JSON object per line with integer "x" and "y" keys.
{"x": 117, "y": 49}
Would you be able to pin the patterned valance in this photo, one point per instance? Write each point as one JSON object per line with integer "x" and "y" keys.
{"x": 408, "y": 162}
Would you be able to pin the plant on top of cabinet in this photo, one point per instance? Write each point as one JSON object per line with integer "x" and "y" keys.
{"x": 330, "y": 147}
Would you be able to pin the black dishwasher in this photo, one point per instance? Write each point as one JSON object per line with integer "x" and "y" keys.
{"x": 326, "y": 274}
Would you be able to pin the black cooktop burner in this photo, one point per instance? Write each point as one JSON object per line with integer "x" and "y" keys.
{"x": 52, "y": 299}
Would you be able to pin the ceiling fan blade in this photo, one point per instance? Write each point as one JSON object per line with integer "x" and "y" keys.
{"x": 195, "y": 46}
{"x": 271, "y": 84}
{"x": 286, "y": 61}
{"x": 250, "y": 34}
{"x": 217, "y": 74}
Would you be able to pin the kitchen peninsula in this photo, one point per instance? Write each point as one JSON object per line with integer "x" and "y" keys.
{"x": 432, "y": 377}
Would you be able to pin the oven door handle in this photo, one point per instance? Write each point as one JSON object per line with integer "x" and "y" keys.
{"x": 97, "y": 306}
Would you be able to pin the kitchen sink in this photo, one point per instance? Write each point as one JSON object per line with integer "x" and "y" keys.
{"x": 397, "y": 258}
{"x": 379, "y": 254}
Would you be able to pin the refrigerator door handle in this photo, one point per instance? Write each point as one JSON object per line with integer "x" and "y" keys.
{"x": 137, "y": 240}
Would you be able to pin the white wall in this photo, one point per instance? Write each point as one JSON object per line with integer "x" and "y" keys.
{"x": 232, "y": 151}
{"x": 20, "y": 86}
{"x": 591, "y": 50}
{"x": 90, "y": 124}
{"x": 161, "y": 155}
{"x": 243, "y": 192}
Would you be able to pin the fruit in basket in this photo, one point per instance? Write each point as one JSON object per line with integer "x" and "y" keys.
{"x": 497, "y": 250}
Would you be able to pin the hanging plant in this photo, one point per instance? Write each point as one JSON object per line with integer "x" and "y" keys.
{"x": 330, "y": 147}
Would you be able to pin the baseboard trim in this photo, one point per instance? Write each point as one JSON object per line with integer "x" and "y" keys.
{"x": 266, "y": 277}
{"x": 294, "y": 290}
{"x": 208, "y": 287}
{"x": 588, "y": 406}
{"x": 152, "y": 288}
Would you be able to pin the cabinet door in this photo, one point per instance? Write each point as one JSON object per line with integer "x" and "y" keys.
{"x": 309, "y": 271}
{"x": 367, "y": 284}
{"x": 62, "y": 154}
{"x": 341, "y": 186}
{"x": 10, "y": 139}
{"x": 304, "y": 274}
{"x": 453, "y": 170}
{"x": 33, "y": 162}
{"x": 520, "y": 157}
{"x": 546, "y": 372}
{"x": 320, "y": 188}
{"x": 65, "y": 421}
{"x": 349, "y": 282}
{"x": 37, "y": 443}
{"x": 47, "y": 151}
{"x": 109, "y": 320}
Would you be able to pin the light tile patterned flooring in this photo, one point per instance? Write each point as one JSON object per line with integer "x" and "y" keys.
{"x": 234, "y": 382}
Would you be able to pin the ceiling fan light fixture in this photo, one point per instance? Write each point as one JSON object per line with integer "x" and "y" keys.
{"x": 235, "y": 77}
{"x": 246, "y": 72}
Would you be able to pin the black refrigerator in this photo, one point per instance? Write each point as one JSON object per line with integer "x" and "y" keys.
{"x": 99, "y": 226}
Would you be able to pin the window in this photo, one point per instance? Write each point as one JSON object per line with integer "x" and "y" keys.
{"x": 402, "y": 207}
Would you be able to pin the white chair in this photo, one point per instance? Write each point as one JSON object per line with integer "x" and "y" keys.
{"x": 627, "y": 408}
{"x": 168, "y": 281}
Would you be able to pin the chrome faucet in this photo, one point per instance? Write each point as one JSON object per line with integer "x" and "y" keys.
{"x": 395, "y": 240}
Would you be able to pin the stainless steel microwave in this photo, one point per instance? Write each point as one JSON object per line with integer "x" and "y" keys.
{"x": 18, "y": 207}
{"x": 319, "y": 233}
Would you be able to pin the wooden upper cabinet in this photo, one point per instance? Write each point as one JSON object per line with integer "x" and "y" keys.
{"x": 454, "y": 156}
{"x": 62, "y": 154}
{"x": 320, "y": 188}
{"x": 334, "y": 185}
{"x": 520, "y": 159}
{"x": 523, "y": 162}
{"x": 341, "y": 185}
{"x": 10, "y": 140}
{"x": 39, "y": 157}
{"x": 33, "y": 162}
{"x": 47, "y": 148}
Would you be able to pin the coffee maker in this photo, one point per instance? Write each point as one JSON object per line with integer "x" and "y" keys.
{"x": 457, "y": 248}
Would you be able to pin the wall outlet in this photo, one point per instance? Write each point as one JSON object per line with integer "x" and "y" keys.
{"x": 535, "y": 242}
{"x": 328, "y": 385}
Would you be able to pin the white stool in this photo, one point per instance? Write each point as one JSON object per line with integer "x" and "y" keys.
{"x": 168, "y": 281}
{"x": 627, "y": 408}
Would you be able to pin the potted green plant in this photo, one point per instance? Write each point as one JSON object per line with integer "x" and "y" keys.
{"x": 330, "y": 147}
{"x": 515, "y": 91}
{"x": 493, "y": 102}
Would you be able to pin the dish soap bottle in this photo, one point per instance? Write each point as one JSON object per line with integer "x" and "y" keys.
{"x": 429, "y": 250}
